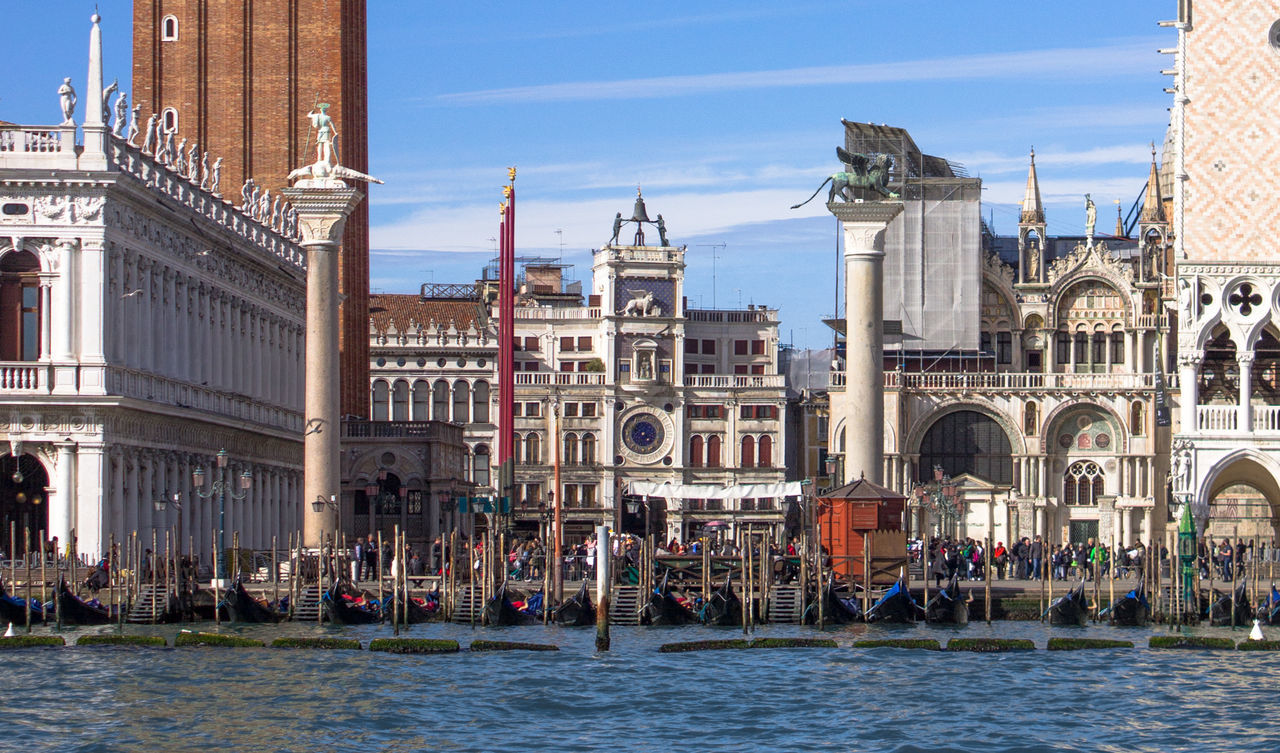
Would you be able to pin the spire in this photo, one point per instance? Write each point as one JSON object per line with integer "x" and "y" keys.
{"x": 1119, "y": 222}
{"x": 1153, "y": 203}
{"x": 1032, "y": 207}
{"x": 93, "y": 94}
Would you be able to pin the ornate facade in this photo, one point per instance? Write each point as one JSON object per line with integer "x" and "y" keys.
{"x": 627, "y": 386}
{"x": 146, "y": 325}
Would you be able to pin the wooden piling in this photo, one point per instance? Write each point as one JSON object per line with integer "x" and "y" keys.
{"x": 1235, "y": 571}
{"x": 746, "y": 584}
{"x": 13, "y": 556}
{"x": 603, "y": 561}
{"x": 986, "y": 551}
{"x": 448, "y": 559}
{"x": 217, "y": 617}
{"x": 397, "y": 567}
{"x": 26, "y": 548}
{"x": 1111, "y": 575}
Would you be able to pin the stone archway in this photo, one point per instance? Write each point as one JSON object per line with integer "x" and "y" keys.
{"x": 1240, "y": 496}
{"x": 23, "y": 501}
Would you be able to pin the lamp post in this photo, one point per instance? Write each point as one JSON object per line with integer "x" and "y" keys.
{"x": 219, "y": 489}
{"x": 318, "y": 506}
{"x": 380, "y": 495}
{"x": 173, "y": 500}
{"x": 835, "y": 469}
{"x": 939, "y": 497}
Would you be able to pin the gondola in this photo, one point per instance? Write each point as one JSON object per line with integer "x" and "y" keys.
{"x": 895, "y": 606}
{"x": 836, "y": 609}
{"x": 1220, "y": 611}
{"x": 14, "y": 609}
{"x": 577, "y": 611}
{"x": 533, "y": 606}
{"x": 1269, "y": 609}
{"x": 722, "y": 607}
{"x": 1131, "y": 610}
{"x": 1071, "y": 609}
{"x": 499, "y": 611}
{"x": 949, "y": 606}
{"x": 663, "y": 609}
{"x": 414, "y": 613}
{"x": 77, "y": 611}
{"x": 340, "y": 605}
{"x": 241, "y": 607}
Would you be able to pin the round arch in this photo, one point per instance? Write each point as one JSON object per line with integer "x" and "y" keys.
{"x": 966, "y": 441}
{"x": 23, "y": 502}
{"x": 915, "y": 434}
{"x": 1065, "y": 294}
{"x": 1247, "y": 466}
{"x": 1050, "y": 424}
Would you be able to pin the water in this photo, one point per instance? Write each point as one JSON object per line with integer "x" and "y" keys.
{"x": 636, "y": 699}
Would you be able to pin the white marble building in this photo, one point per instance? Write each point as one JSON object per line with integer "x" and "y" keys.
{"x": 146, "y": 324}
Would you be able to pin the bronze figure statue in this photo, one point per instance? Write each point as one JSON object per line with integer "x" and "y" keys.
{"x": 868, "y": 173}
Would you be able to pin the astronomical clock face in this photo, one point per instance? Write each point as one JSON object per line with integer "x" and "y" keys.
{"x": 646, "y": 435}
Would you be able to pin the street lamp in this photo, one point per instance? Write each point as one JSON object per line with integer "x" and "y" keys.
{"x": 939, "y": 497}
{"x": 834, "y": 469}
{"x": 219, "y": 488}
{"x": 173, "y": 500}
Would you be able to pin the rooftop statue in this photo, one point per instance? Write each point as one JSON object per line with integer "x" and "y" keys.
{"x": 122, "y": 115}
{"x": 149, "y": 138}
{"x": 867, "y": 172}
{"x": 67, "y": 99}
{"x": 1090, "y": 217}
{"x": 133, "y": 125}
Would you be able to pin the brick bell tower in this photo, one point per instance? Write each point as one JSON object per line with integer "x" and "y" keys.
{"x": 239, "y": 78}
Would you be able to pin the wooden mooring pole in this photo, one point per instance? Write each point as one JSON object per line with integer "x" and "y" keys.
{"x": 603, "y": 561}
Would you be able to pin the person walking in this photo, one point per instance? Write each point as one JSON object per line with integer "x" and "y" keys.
{"x": 1035, "y": 557}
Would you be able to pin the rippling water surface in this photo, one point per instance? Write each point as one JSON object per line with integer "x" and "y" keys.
{"x": 635, "y": 699}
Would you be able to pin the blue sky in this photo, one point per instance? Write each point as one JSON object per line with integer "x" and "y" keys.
{"x": 725, "y": 113}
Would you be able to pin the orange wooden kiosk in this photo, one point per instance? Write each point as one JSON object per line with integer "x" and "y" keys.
{"x": 860, "y": 526}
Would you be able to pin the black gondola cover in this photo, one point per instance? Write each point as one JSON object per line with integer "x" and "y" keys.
{"x": 949, "y": 606}
{"x": 577, "y": 611}
{"x": 722, "y": 607}
{"x": 77, "y": 611}
{"x": 499, "y": 611}
{"x": 895, "y": 606}
{"x": 1072, "y": 609}
{"x": 343, "y": 611}
{"x": 242, "y": 607}
{"x": 663, "y": 608}
{"x": 1220, "y": 611}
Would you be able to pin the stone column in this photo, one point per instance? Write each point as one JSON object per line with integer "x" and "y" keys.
{"x": 322, "y": 214}
{"x": 62, "y": 505}
{"x": 1188, "y": 368}
{"x": 1244, "y": 363}
{"x": 864, "y": 225}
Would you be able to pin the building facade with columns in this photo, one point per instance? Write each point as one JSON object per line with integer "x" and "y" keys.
{"x": 1225, "y": 156}
{"x": 147, "y": 324}
{"x": 1040, "y": 404}
{"x": 625, "y": 384}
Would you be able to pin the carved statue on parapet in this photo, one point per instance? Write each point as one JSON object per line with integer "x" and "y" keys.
{"x": 662, "y": 230}
{"x": 122, "y": 115}
{"x": 326, "y": 172}
{"x": 67, "y": 100}
{"x": 217, "y": 177}
{"x": 276, "y": 220}
{"x": 263, "y": 211}
{"x": 204, "y": 171}
{"x": 193, "y": 165}
{"x": 246, "y": 195}
{"x": 1090, "y": 218}
{"x": 180, "y": 158}
{"x": 133, "y": 125}
{"x": 617, "y": 228}
{"x": 151, "y": 136}
{"x": 106, "y": 99}
{"x": 867, "y": 172}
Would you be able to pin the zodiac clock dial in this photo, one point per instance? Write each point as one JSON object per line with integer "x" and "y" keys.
{"x": 643, "y": 433}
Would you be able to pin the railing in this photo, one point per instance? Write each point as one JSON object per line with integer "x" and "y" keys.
{"x": 23, "y": 377}
{"x": 1266, "y": 418}
{"x": 1152, "y": 321}
{"x": 559, "y": 378}
{"x": 731, "y": 316}
{"x": 1018, "y": 381}
{"x": 730, "y": 381}
{"x": 159, "y": 389}
{"x": 1217, "y": 417}
{"x": 37, "y": 140}
{"x": 557, "y": 313}
{"x": 400, "y": 429}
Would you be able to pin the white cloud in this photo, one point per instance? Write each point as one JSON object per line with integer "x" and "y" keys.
{"x": 1076, "y": 63}
{"x": 986, "y": 163}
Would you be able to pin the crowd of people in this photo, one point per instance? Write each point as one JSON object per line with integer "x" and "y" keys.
{"x": 1031, "y": 559}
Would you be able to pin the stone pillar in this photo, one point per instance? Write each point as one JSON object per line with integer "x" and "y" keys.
{"x": 864, "y": 225}
{"x": 62, "y": 505}
{"x": 1188, "y": 368}
{"x": 1244, "y": 362}
{"x": 322, "y": 214}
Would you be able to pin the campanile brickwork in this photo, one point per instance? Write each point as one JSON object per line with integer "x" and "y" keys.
{"x": 242, "y": 76}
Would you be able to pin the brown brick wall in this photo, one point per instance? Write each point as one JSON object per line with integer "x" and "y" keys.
{"x": 242, "y": 76}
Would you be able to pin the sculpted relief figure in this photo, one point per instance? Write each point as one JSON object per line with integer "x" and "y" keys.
{"x": 67, "y": 99}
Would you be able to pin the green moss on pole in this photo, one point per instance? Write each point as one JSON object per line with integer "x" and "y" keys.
{"x": 928, "y": 644}
{"x": 350, "y": 644}
{"x": 990, "y": 645}
{"x": 111, "y": 639}
{"x": 31, "y": 641}
{"x": 186, "y": 639}
{"x": 1076, "y": 644}
{"x": 1191, "y": 641}
{"x": 413, "y": 646}
{"x": 511, "y": 646}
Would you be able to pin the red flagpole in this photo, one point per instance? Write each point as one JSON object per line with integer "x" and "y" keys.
{"x": 506, "y": 345}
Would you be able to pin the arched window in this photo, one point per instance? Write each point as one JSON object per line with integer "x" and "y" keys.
{"x": 400, "y": 401}
{"x": 480, "y": 466}
{"x": 381, "y": 400}
{"x": 713, "y": 452}
{"x": 1082, "y": 348}
{"x": 20, "y": 307}
{"x": 967, "y": 442}
{"x": 1031, "y": 418}
{"x": 748, "y": 455}
{"x": 695, "y": 452}
{"x": 1082, "y": 484}
{"x": 169, "y": 119}
{"x": 440, "y": 401}
{"x": 480, "y": 402}
{"x": 532, "y": 450}
{"x": 570, "y": 451}
{"x": 461, "y": 402}
{"x": 764, "y": 452}
{"x": 421, "y": 401}
{"x": 588, "y": 449}
{"x": 169, "y": 29}
{"x": 1117, "y": 348}
{"x": 1137, "y": 424}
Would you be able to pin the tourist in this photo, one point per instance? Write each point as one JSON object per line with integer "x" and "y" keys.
{"x": 1021, "y": 567}
{"x": 1000, "y": 557}
{"x": 1035, "y": 557}
{"x": 357, "y": 558}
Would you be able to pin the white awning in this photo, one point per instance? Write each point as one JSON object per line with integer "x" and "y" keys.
{"x": 672, "y": 490}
